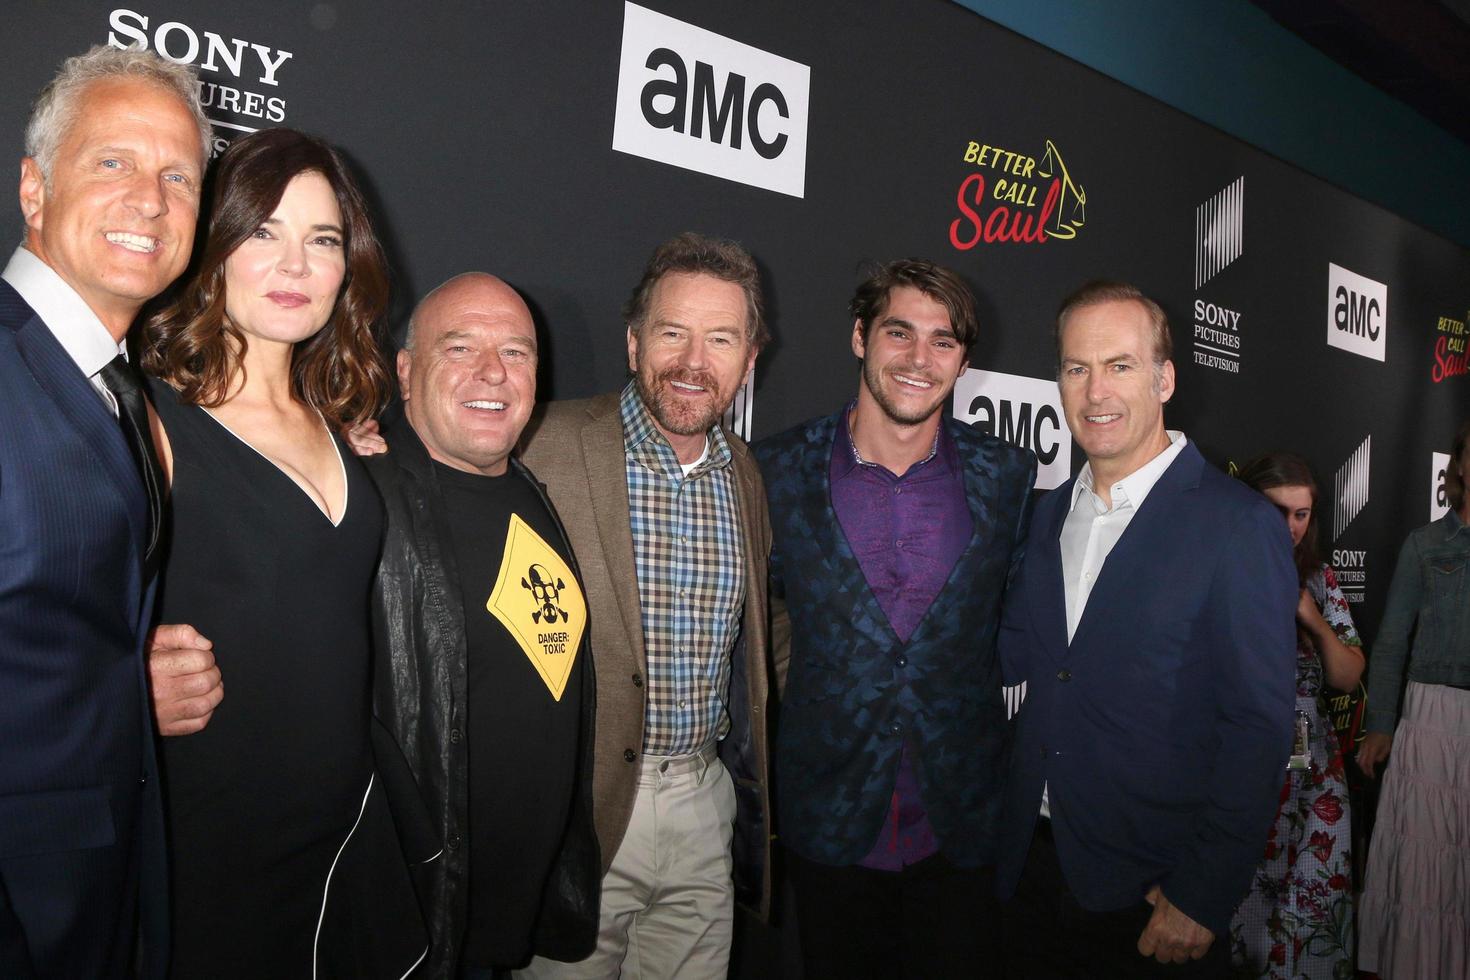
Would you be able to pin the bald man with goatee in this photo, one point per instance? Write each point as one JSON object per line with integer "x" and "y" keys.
{"x": 483, "y": 676}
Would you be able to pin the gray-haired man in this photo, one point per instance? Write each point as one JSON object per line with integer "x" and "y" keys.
{"x": 116, "y": 149}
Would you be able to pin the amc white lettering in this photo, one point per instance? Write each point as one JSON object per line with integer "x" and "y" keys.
{"x": 179, "y": 42}
{"x": 694, "y": 103}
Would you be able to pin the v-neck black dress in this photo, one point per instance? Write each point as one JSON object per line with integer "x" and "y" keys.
{"x": 261, "y": 802}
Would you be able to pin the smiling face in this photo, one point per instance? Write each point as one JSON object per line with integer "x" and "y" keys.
{"x": 690, "y": 356}
{"x": 282, "y": 282}
{"x": 911, "y": 358}
{"x": 1295, "y": 504}
{"x": 469, "y": 381}
{"x": 1111, "y": 391}
{"x": 117, "y": 219}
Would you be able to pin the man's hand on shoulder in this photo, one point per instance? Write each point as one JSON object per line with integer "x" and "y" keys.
{"x": 365, "y": 438}
{"x": 1171, "y": 936}
{"x": 185, "y": 680}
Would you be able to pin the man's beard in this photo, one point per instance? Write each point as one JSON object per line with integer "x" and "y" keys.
{"x": 873, "y": 380}
{"x": 676, "y": 414}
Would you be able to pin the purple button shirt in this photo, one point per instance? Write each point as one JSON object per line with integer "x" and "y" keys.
{"x": 907, "y": 532}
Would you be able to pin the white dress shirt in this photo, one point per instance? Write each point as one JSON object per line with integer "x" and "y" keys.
{"x": 1092, "y": 529}
{"x": 68, "y": 317}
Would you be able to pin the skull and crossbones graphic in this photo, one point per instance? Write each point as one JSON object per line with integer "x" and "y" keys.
{"x": 546, "y": 593}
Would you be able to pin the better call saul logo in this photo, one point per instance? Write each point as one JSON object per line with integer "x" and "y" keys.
{"x": 1026, "y": 412}
{"x": 702, "y": 101}
{"x": 1015, "y": 197}
{"x": 1450, "y": 356}
{"x": 1357, "y": 313}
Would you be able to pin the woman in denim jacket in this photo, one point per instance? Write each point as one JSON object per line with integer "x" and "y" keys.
{"x": 1415, "y": 914}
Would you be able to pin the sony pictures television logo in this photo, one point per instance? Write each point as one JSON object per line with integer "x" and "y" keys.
{"x": 1350, "y": 495}
{"x": 1026, "y": 412}
{"x": 705, "y": 102}
{"x": 1219, "y": 232}
{"x": 1357, "y": 313}
{"x": 239, "y": 83}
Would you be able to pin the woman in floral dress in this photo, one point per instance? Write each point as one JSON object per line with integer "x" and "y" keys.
{"x": 1297, "y": 921}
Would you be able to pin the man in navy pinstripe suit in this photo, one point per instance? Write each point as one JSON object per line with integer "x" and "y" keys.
{"x": 116, "y": 149}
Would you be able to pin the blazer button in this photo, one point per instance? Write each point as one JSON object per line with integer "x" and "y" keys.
{"x": 453, "y": 842}
{"x": 902, "y": 661}
{"x": 896, "y": 728}
{"x": 629, "y": 755}
{"x": 455, "y": 736}
{"x": 637, "y": 680}
{"x": 1064, "y": 675}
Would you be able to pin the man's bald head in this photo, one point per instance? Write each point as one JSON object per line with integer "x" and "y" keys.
{"x": 467, "y": 372}
{"x": 473, "y": 288}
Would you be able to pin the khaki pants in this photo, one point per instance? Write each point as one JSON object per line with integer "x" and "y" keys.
{"x": 668, "y": 902}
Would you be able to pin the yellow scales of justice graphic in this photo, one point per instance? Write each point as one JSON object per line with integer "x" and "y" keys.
{"x": 537, "y": 598}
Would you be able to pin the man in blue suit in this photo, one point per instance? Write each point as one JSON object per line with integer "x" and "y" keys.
{"x": 894, "y": 530}
{"x": 1152, "y": 622}
{"x": 109, "y": 189}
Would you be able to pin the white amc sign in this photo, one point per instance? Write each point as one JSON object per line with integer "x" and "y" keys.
{"x": 1026, "y": 412}
{"x": 699, "y": 100}
{"x": 1439, "y": 501}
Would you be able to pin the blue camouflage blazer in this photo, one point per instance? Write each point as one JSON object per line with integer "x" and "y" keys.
{"x": 848, "y": 704}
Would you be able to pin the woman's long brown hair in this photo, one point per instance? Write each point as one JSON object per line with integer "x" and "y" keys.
{"x": 193, "y": 346}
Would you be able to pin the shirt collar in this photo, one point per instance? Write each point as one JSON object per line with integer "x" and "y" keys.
{"x": 849, "y": 459}
{"x": 1453, "y": 524}
{"x": 1134, "y": 488}
{"x": 641, "y": 437}
{"x": 78, "y": 330}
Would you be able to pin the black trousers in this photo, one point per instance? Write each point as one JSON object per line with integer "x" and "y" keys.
{"x": 1051, "y": 937}
{"x": 930, "y": 921}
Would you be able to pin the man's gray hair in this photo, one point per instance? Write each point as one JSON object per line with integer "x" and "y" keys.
{"x": 57, "y": 105}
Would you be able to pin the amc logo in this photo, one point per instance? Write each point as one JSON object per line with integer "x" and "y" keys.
{"x": 702, "y": 101}
{"x": 1439, "y": 495}
{"x": 1026, "y": 412}
{"x": 1357, "y": 313}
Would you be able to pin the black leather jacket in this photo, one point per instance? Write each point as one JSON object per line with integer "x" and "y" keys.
{"x": 419, "y": 697}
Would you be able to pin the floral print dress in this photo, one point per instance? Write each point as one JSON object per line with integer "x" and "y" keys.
{"x": 1297, "y": 921}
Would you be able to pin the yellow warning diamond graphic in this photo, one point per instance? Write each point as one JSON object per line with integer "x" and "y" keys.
{"x": 536, "y": 598}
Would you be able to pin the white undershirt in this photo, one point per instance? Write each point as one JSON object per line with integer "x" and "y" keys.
{"x": 1092, "y": 529}
{"x": 68, "y": 317}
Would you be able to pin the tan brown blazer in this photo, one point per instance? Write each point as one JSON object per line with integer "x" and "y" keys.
{"x": 576, "y": 449}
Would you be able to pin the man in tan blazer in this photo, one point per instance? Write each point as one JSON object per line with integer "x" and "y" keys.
{"x": 667, "y": 514}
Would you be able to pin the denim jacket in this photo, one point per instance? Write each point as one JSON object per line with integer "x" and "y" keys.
{"x": 1431, "y": 587}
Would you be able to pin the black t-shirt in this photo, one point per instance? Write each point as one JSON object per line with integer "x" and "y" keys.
{"x": 524, "y": 618}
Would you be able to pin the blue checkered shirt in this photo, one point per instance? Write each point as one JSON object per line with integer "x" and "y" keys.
{"x": 691, "y": 581}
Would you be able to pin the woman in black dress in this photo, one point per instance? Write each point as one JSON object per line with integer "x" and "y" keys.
{"x": 283, "y": 859}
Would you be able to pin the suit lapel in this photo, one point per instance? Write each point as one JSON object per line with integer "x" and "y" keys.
{"x": 1048, "y": 597}
{"x": 1147, "y": 534}
{"x": 827, "y": 535}
{"x": 980, "y": 498}
{"x": 605, "y": 463}
{"x": 63, "y": 383}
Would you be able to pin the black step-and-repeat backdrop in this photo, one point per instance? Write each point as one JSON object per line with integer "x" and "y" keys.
{"x": 554, "y": 143}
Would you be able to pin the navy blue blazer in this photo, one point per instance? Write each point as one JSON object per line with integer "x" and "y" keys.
{"x": 1162, "y": 729}
{"x": 81, "y": 827}
{"x": 854, "y": 692}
